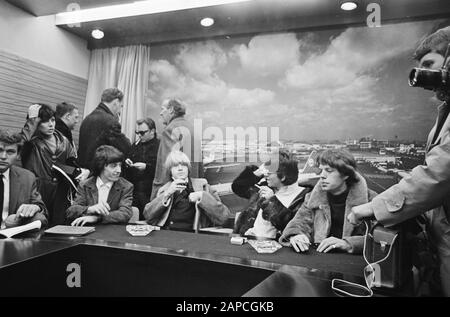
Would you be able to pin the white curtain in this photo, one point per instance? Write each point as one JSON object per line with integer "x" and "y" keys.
{"x": 126, "y": 68}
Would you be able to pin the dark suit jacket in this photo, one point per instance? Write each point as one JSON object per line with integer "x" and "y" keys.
{"x": 100, "y": 127}
{"x": 120, "y": 199}
{"x": 23, "y": 190}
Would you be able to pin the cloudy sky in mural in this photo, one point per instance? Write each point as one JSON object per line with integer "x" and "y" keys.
{"x": 326, "y": 85}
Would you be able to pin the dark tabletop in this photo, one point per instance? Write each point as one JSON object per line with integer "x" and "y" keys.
{"x": 299, "y": 271}
{"x": 188, "y": 243}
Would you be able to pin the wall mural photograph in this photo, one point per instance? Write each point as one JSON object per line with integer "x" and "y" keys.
{"x": 331, "y": 88}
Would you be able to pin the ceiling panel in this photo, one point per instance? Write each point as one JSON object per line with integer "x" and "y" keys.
{"x": 234, "y": 19}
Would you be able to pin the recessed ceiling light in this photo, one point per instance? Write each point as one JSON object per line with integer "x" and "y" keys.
{"x": 97, "y": 34}
{"x": 349, "y": 5}
{"x": 207, "y": 22}
{"x": 135, "y": 8}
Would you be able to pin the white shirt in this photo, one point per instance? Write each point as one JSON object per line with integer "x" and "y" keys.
{"x": 103, "y": 190}
{"x": 264, "y": 228}
{"x": 287, "y": 194}
{"x": 5, "y": 207}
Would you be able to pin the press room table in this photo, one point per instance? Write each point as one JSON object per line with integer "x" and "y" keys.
{"x": 165, "y": 263}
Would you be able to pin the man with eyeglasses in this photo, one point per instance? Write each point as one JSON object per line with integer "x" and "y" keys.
{"x": 141, "y": 162}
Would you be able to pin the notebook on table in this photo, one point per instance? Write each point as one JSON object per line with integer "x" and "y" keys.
{"x": 70, "y": 230}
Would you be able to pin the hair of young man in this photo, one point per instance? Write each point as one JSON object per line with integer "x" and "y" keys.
{"x": 342, "y": 160}
{"x": 63, "y": 108}
{"x": 9, "y": 138}
{"x": 104, "y": 155}
{"x": 110, "y": 94}
{"x": 174, "y": 159}
{"x": 289, "y": 170}
{"x": 437, "y": 41}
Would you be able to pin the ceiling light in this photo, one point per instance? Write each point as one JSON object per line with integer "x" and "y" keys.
{"x": 207, "y": 22}
{"x": 97, "y": 34}
{"x": 134, "y": 9}
{"x": 349, "y": 5}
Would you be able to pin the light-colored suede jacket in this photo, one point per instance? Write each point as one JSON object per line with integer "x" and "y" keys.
{"x": 210, "y": 210}
{"x": 313, "y": 219}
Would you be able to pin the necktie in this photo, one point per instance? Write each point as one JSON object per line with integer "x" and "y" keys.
{"x": 2, "y": 193}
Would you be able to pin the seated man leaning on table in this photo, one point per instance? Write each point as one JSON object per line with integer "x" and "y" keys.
{"x": 20, "y": 200}
{"x": 185, "y": 203}
{"x": 104, "y": 197}
{"x": 322, "y": 218}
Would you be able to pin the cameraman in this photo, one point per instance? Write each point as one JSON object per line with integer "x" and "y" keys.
{"x": 427, "y": 189}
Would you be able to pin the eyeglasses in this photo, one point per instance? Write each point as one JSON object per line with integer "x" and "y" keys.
{"x": 142, "y": 133}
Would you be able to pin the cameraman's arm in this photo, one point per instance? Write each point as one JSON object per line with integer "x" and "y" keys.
{"x": 424, "y": 189}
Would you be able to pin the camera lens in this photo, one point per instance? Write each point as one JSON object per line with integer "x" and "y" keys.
{"x": 425, "y": 78}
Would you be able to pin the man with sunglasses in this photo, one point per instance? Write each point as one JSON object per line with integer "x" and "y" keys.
{"x": 141, "y": 162}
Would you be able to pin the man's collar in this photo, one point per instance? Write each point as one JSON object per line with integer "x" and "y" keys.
{"x": 99, "y": 183}
{"x": 106, "y": 108}
{"x": 6, "y": 174}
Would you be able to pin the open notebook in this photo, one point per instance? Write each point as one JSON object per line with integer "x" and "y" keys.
{"x": 11, "y": 232}
{"x": 70, "y": 230}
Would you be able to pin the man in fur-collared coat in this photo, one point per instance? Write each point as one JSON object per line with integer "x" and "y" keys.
{"x": 322, "y": 218}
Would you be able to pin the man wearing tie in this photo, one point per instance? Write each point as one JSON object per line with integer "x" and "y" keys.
{"x": 19, "y": 199}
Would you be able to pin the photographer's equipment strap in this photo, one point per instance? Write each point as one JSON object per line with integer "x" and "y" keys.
{"x": 369, "y": 272}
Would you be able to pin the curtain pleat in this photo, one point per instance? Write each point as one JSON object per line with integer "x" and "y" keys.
{"x": 127, "y": 69}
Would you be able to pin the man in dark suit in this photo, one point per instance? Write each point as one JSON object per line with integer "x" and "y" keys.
{"x": 102, "y": 127}
{"x": 66, "y": 116}
{"x": 20, "y": 201}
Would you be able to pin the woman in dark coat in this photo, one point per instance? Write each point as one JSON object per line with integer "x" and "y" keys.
{"x": 45, "y": 147}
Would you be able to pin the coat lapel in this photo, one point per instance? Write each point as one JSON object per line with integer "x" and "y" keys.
{"x": 357, "y": 195}
{"x": 114, "y": 194}
{"x": 93, "y": 192}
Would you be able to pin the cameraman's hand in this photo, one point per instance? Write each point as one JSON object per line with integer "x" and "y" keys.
{"x": 358, "y": 213}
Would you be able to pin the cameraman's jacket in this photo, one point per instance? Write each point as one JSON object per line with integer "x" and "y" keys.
{"x": 313, "y": 219}
{"x": 427, "y": 188}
